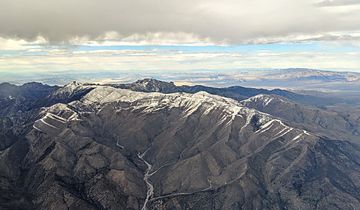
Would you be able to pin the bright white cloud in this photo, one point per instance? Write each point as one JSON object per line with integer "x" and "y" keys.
{"x": 159, "y": 38}
{"x": 332, "y": 3}
{"x": 174, "y": 61}
{"x": 20, "y": 44}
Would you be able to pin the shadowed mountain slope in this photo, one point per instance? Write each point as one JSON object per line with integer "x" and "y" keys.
{"x": 324, "y": 122}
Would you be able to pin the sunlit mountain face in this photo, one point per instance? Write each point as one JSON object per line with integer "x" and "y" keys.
{"x": 179, "y": 104}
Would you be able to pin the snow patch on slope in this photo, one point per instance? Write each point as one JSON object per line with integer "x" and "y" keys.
{"x": 263, "y": 100}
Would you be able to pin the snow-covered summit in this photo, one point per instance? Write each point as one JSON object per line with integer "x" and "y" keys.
{"x": 70, "y": 88}
{"x": 202, "y": 102}
{"x": 104, "y": 94}
{"x": 150, "y": 85}
{"x": 263, "y": 100}
{"x": 73, "y": 89}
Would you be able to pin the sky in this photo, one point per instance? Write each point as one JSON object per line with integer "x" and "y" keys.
{"x": 140, "y": 36}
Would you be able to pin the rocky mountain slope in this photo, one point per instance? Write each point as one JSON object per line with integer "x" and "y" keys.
{"x": 101, "y": 147}
{"x": 324, "y": 122}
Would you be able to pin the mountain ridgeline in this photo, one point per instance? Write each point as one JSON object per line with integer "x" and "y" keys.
{"x": 155, "y": 145}
{"x": 234, "y": 92}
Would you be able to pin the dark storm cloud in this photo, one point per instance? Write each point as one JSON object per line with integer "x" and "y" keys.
{"x": 236, "y": 21}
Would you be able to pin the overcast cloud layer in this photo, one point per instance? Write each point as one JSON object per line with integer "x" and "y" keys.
{"x": 54, "y": 39}
{"x": 234, "y": 21}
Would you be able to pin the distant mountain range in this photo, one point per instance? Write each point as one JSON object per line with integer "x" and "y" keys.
{"x": 297, "y": 79}
{"x": 154, "y": 145}
{"x": 309, "y": 74}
